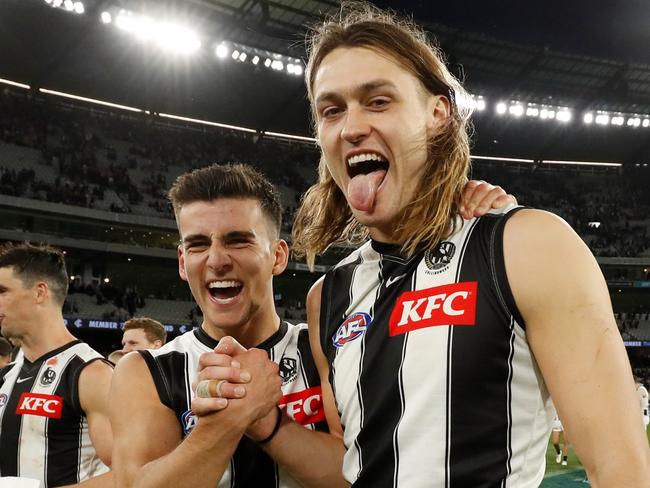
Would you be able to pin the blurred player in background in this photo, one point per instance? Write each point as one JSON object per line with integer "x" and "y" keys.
{"x": 54, "y": 424}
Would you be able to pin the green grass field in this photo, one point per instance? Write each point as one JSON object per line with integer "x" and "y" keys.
{"x": 572, "y": 475}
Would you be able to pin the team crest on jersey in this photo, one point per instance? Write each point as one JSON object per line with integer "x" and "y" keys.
{"x": 188, "y": 420}
{"x": 352, "y": 328}
{"x": 3, "y": 399}
{"x": 288, "y": 369}
{"x": 439, "y": 259}
{"x": 48, "y": 377}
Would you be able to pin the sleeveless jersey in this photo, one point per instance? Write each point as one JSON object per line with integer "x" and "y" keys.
{"x": 43, "y": 430}
{"x": 175, "y": 365}
{"x": 433, "y": 377}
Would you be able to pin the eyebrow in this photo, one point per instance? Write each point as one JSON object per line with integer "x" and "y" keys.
{"x": 358, "y": 90}
{"x": 229, "y": 236}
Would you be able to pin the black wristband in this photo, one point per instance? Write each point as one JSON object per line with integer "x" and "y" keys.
{"x": 266, "y": 440}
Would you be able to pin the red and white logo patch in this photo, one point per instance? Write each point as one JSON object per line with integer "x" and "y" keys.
{"x": 40, "y": 404}
{"x": 305, "y": 407}
{"x": 453, "y": 304}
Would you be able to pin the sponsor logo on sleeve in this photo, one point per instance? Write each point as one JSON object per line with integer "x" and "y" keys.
{"x": 40, "y": 405}
{"x": 453, "y": 304}
{"x": 305, "y": 407}
{"x": 352, "y": 328}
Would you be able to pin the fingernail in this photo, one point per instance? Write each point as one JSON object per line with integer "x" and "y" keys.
{"x": 245, "y": 376}
{"x": 235, "y": 364}
{"x": 221, "y": 402}
{"x": 240, "y": 391}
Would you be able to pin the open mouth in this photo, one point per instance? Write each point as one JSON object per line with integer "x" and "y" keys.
{"x": 367, "y": 172}
{"x": 363, "y": 164}
{"x": 225, "y": 290}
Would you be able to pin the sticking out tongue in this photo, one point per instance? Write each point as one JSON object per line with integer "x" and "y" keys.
{"x": 362, "y": 190}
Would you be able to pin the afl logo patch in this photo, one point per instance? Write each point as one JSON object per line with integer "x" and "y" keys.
{"x": 352, "y": 328}
{"x": 3, "y": 399}
{"x": 441, "y": 257}
{"x": 188, "y": 420}
{"x": 48, "y": 377}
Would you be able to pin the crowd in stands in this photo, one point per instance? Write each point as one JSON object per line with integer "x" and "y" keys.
{"x": 89, "y": 153}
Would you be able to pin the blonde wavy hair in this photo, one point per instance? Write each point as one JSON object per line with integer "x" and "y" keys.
{"x": 324, "y": 217}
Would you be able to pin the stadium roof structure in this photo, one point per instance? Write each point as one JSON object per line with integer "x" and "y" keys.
{"x": 518, "y": 52}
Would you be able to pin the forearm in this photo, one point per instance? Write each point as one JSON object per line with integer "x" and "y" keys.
{"x": 314, "y": 459}
{"x": 199, "y": 461}
{"x": 102, "y": 481}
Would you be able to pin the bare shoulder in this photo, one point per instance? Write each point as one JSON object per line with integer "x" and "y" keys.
{"x": 314, "y": 294}
{"x": 94, "y": 384}
{"x": 132, "y": 370}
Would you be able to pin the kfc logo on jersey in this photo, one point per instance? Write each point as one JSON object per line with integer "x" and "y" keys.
{"x": 352, "y": 328}
{"x": 453, "y": 304}
{"x": 305, "y": 407}
{"x": 40, "y": 404}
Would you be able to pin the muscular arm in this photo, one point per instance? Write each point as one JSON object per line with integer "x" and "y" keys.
{"x": 148, "y": 451}
{"x": 563, "y": 299}
{"x": 94, "y": 385}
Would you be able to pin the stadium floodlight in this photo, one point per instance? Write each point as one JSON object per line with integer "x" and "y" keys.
{"x": 501, "y": 108}
{"x": 221, "y": 51}
{"x": 242, "y": 57}
{"x": 175, "y": 38}
{"x": 255, "y": 60}
{"x": 563, "y": 115}
{"x": 297, "y": 70}
{"x": 646, "y": 123}
{"x": 602, "y": 119}
{"x": 267, "y": 62}
{"x": 634, "y": 122}
{"x": 480, "y": 104}
{"x": 290, "y": 68}
{"x": 57, "y": 3}
{"x": 618, "y": 120}
{"x": 235, "y": 54}
{"x": 532, "y": 111}
{"x": 68, "y": 5}
{"x": 79, "y": 8}
{"x": 49, "y": 2}
{"x": 106, "y": 17}
{"x": 277, "y": 65}
{"x": 516, "y": 109}
{"x": 588, "y": 118}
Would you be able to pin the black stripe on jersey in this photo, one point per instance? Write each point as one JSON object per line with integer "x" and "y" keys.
{"x": 253, "y": 468}
{"x": 64, "y": 434}
{"x": 168, "y": 373}
{"x": 481, "y": 371}
{"x": 9, "y": 440}
{"x": 498, "y": 266}
{"x": 382, "y": 397}
{"x": 308, "y": 369}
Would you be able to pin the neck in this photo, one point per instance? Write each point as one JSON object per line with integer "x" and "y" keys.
{"x": 48, "y": 334}
{"x": 250, "y": 334}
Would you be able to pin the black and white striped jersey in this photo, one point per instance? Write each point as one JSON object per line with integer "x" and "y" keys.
{"x": 175, "y": 365}
{"x": 43, "y": 430}
{"x": 432, "y": 374}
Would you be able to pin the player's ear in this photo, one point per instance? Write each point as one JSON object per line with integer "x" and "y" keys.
{"x": 181, "y": 263}
{"x": 281, "y": 252}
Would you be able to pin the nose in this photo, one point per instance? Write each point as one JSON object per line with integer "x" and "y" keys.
{"x": 218, "y": 257}
{"x": 356, "y": 126}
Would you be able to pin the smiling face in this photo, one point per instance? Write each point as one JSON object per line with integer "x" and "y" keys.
{"x": 374, "y": 121}
{"x": 229, "y": 255}
{"x": 17, "y": 303}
